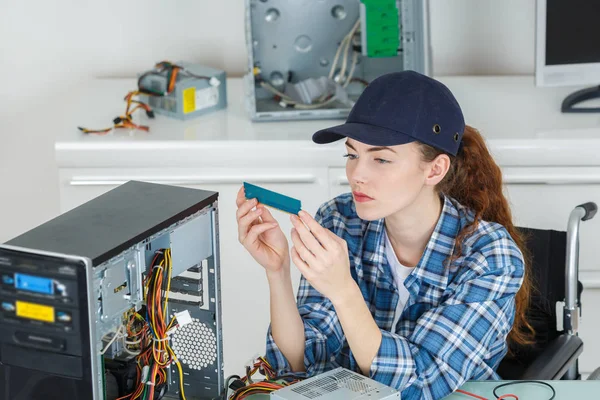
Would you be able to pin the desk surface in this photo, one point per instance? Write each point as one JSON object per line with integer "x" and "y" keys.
{"x": 565, "y": 390}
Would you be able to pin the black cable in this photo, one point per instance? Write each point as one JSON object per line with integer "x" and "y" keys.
{"x": 227, "y": 385}
{"x": 160, "y": 391}
{"x": 519, "y": 382}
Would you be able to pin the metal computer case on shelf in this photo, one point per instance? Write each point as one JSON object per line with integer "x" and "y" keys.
{"x": 298, "y": 40}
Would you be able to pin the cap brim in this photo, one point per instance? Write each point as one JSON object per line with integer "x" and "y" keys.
{"x": 364, "y": 133}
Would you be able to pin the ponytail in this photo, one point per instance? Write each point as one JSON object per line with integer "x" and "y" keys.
{"x": 475, "y": 181}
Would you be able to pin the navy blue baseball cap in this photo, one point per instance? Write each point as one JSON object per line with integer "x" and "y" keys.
{"x": 399, "y": 108}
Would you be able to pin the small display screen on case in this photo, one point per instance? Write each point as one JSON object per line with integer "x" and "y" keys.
{"x": 35, "y": 284}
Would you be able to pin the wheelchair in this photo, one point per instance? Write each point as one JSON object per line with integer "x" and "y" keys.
{"x": 554, "y": 257}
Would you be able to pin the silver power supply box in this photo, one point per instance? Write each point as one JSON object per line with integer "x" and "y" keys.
{"x": 198, "y": 90}
{"x": 337, "y": 384}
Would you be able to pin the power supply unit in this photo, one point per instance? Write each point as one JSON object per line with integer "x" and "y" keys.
{"x": 337, "y": 384}
{"x": 118, "y": 296}
{"x": 311, "y": 60}
{"x": 198, "y": 90}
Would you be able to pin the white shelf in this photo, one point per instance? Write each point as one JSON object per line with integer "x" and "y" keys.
{"x": 522, "y": 124}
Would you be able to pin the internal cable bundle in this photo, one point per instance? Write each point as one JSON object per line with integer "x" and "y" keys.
{"x": 348, "y": 39}
{"x": 138, "y": 331}
{"x": 342, "y": 79}
{"x": 151, "y": 335}
{"x": 132, "y": 103}
{"x": 244, "y": 387}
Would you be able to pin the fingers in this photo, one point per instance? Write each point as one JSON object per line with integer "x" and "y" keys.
{"x": 241, "y": 196}
{"x": 255, "y": 231}
{"x": 244, "y": 205}
{"x": 307, "y": 237}
{"x": 301, "y": 248}
{"x": 244, "y": 208}
{"x": 266, "y": 214}
{"x": 247, "y": 218}
{"x": 246, "y": 222}
{"x": 302, "y": 266}
{"x": 324, "y": 236}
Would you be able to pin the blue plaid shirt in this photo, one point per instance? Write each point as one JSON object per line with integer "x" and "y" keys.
{"x": 455, "y": 322}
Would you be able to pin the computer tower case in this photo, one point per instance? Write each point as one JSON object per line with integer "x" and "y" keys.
{"x": 79, "y": 294}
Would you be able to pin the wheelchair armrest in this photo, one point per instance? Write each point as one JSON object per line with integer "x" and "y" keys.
{"x": 556, "y": 358}
{"x": 594, "y": 376}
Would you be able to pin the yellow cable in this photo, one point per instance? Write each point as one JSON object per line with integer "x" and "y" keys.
{"x": 180, "y": 372}
{"x": 152, "y": 316}
{"x": 181, "y": 380}
{"x": 161, "y": 349}
{"x": 169, "y": 268}
{"x": 152, "y": 307}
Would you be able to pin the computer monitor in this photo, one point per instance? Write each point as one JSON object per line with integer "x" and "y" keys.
{"x": 568, "y": 49}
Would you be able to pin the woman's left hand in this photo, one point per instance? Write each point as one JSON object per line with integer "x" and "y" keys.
{"x": 322, "y": 257}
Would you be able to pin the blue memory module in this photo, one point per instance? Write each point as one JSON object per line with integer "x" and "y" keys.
{"x": 272, "y": 199}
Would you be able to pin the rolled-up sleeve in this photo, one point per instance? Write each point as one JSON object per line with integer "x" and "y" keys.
{"x": 323, "y": 333}
{"x": 450, "y": 342}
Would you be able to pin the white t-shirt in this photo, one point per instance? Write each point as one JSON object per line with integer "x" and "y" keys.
{"x": 400, "y": 273}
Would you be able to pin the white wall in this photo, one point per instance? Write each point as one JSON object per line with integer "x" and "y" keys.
{"x": 483, "y": 37}
{"x": 47, "y": 47}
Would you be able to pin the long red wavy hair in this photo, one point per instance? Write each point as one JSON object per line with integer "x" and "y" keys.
{"x": 475, "y": 180}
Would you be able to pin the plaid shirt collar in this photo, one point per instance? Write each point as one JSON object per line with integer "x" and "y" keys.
{"x": 431, "y": 267}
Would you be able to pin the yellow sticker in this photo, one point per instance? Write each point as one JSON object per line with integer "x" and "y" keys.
{"x": 189, "y": 100}
{"x": 35, "y": 311}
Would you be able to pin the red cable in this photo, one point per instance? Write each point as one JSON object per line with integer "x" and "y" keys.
{"x": 504, "y": 396}
{"x": 471, "y": 394}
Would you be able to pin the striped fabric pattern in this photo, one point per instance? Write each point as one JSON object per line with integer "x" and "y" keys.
{"x": 454, "y": 325}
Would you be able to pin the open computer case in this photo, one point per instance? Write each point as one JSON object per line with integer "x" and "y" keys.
{"x": 312, "y": 59}
{"x": 83, "y": 295}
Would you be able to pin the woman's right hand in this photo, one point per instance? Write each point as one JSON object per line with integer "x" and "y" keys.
{"x": 261, "y": 235}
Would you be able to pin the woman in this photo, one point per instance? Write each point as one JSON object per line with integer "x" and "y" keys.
{"x": 417, "y": 278}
